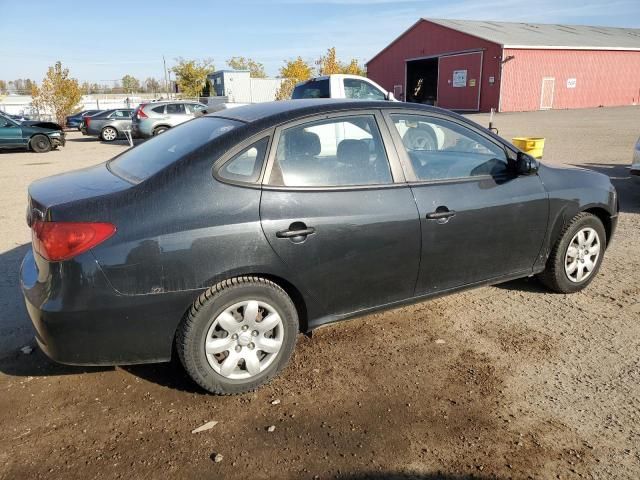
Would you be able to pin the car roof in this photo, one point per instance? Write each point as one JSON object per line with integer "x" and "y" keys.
{"x": 290, "y": 109}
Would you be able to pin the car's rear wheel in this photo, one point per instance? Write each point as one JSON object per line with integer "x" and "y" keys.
{"x": 40, "y": 144}
{"x": 109, "y": 134}
{"x": 159, "y": 130}
{"x": 577, "y": 255}
{"x": 237, "y": 335}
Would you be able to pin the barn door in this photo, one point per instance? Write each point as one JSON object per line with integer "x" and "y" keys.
{"x": 459, "y": 78}
{"x": 546, "y": 97}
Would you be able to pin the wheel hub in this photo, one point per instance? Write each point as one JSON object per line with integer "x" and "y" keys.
{"x": 244, "y": 339}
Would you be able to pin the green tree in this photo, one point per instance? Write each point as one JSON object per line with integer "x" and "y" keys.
{"x": 3, "y": 86}
{"x": 292, "y": 72}
{"x": 130, "y": 84}
{"x": 256, "y": 69}
{"x": 191, "y": 75}
{"x": 152, "y": 85}
{"x": 59, "y": 93}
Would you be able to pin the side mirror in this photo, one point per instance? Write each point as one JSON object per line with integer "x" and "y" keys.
{"x": 391, "y": 97}
{"x": 526, "y": 164}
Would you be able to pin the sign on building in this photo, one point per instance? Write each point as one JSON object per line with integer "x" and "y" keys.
{"x": 571, "y": 82}
{"x": 459, "y": 78}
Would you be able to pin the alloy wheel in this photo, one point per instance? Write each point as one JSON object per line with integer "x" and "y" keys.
{"x": 244, "y": 339}
{"x": 109, "y": 134}
{"x": 582, "y": 255}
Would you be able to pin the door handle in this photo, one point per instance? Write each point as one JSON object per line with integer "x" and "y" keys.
{"x": 442, "y": 214}
{"x": 296, "y": 229}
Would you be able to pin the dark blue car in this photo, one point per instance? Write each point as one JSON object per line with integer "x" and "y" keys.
{"x": 74, "y": 121}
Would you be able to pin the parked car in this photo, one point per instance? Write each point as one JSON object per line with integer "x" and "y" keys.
{"x": 108, "y": 125}
{"x": 152, "y": 119}
{"x": 635, "y": 164}
{"x": 31, "y": 135}
{"x": 354, "y": 87}
{"x": 229, "y": 234}
{"x": 74, "y": 121}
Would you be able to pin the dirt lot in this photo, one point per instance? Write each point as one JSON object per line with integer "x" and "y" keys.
{"x": 507, "y": 381}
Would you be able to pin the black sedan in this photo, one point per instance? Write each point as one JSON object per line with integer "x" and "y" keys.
{"x": 228, "y": 235}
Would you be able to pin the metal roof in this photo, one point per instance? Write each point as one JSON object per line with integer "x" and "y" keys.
{"x": 547, "y": 36}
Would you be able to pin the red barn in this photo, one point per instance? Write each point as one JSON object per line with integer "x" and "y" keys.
{"x": 475, "y": 65}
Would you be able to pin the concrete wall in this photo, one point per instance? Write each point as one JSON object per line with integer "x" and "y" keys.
{"x": 602, "y": 78}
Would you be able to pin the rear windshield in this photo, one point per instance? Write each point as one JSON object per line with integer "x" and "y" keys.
{"x": 312, "y": 89}
{"x": 159, "y": 152}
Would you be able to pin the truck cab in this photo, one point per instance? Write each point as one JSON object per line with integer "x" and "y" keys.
{"x": 341, "y": 86}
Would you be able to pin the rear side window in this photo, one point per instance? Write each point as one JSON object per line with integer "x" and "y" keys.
{"x": 312, "y": 89}
{"x": 335, "y": 152}
{"x": 246, "y": 165}
{"x": 176, "y": 109}
{"x": 148, "y": 158}
{"x": 159, "y": 109}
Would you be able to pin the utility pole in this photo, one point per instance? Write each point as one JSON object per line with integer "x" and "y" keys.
{"x": 166, "y": 81}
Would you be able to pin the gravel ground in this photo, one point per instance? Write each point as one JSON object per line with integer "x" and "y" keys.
{"x": 499, "y": 382}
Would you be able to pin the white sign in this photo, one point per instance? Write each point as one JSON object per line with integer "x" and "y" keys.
{"x": 459, "y": 78}
{"x": 571, "y": 82}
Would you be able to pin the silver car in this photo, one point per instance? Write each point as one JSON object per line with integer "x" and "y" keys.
{"x": 151, "y": 119}
{"x": 108, "y": 125}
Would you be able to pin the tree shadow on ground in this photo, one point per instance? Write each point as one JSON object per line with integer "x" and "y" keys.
{"x": 627, "y": 186}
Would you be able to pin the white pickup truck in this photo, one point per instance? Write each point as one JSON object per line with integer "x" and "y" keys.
{"x": 341, "y": 86}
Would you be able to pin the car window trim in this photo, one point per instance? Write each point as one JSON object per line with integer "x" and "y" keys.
{"x": 229, "y": 155}
{"x": 397, "y": 174}
{"x": 410, "y": 174}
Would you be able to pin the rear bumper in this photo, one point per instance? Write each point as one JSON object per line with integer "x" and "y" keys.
{"x": 81, "y": 320}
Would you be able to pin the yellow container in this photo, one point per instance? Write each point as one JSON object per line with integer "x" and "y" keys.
{"x": 531, "y": 145}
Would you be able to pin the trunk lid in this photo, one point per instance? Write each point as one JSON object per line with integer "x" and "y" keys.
{"x": 51, "y": 198}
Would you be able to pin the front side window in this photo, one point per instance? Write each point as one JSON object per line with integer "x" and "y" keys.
{"x": 361, "y": 90}
{"x": 195, "y": 107}
{"x": 335, "y": 152}
{"x": 440, "y": 149}
{"x": 176, "y": 109}
{"x": 246, "y": 165}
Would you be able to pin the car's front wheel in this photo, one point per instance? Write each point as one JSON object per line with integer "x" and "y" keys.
{"x": 109, "y": 134}
{"x": 40, "y": 144}
{"x": 237, "y": 335}
{"x": 577, "y": 255}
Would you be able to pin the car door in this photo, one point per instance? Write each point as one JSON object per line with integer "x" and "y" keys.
{"x": 479, "y": 221}
{"x": 336, "y": 210}
{"x": 177, "y": 113}
{"x": 10, "y": 133}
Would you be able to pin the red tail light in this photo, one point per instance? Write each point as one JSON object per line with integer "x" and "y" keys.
{"x": 86, "y": 121}
{"x": 57, "y": 241}
{"x": 140, "y": 113}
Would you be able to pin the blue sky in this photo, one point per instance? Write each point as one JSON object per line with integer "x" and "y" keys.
{"x": 102, "y": 41}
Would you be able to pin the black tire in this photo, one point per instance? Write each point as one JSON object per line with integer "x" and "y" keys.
{"x": 108, "y": 134}
{"x": 192, "y": 332}
{"x": 159, "y": 130}
{"x": 40, "y": 144}
{"x": 554, "y": 276}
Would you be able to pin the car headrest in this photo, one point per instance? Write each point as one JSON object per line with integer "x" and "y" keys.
{"x": 353, "y": 152}
{"x": 303, "y": 143}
